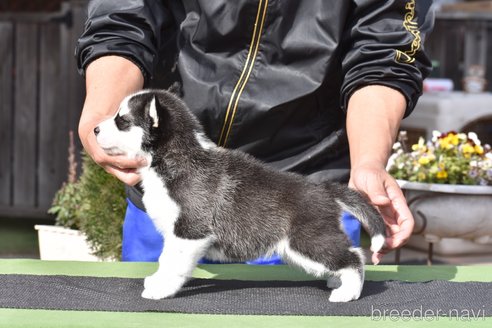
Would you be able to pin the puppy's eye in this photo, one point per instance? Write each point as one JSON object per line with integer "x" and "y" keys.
{"x": 122, "y": 122}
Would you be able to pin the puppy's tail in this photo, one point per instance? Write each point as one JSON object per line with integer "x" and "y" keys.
{"x": 352, "y": 202}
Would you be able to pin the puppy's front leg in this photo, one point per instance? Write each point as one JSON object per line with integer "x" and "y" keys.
{"x": 176, "y": 263}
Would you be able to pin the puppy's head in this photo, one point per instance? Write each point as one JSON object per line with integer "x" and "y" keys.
{"x": 132, "y": 130}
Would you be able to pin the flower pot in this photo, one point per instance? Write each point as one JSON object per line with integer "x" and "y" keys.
{"x": 63, "y": 244}
{"x": 457, "y": 219}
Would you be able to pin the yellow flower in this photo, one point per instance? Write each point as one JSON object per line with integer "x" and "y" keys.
{"x": 441, "y": 171}
{"x": 449, "y": 141}
{"x": 424, "y": 160}
{"x": 468, "y": 150}
{"x": 442, "y": 174}
{"x": 454, "y": 139}
{"x": 479, "y": 149}
{"x": 445, "y": 143}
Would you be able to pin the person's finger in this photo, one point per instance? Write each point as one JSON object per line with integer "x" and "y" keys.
{"x": 122, "y": 162}
{"x": 397, "y": 216}
{"x": 398, "y": 238}
{"x": 129, "y": 177}
{"x": 405, "y": 228}
{"x": 123, "y": 168}
{"x": 377, "y": 257}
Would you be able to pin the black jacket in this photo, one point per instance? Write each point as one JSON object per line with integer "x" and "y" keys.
{"x": 271, "y": 77}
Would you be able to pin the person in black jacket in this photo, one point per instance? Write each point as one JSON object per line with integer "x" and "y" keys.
{"x": 297, "y": 84}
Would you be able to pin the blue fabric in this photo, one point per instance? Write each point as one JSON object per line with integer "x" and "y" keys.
{"x": 352, "y": 228}
{"x": 142, "y": 242}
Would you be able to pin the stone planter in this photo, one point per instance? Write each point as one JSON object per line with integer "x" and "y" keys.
{"x": 63, "y": 244}
{"x": 452, "y": 219}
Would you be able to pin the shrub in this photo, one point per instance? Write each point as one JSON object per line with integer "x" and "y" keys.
{"x": 94, "y": 204}
{"x": 103, "y": 209}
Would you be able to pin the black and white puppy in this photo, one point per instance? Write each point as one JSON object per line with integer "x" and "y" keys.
{"x": 222, "y": 204}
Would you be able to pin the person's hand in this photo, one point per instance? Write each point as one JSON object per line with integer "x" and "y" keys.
{"x": 109, "y": 79}
{"x": 383, "y": 192}
{"x": 121, "y": 166}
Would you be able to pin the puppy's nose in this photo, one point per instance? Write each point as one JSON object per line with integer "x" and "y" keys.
{"x": 96, "y": 130}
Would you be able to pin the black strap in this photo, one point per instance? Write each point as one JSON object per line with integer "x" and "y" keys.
{"x": 134, "y": 194}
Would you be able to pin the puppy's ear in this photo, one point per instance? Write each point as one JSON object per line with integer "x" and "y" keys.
{"x": 176, "y": 89}
{"x": 153, "y": 113}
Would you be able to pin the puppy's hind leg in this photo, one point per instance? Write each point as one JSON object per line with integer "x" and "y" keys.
{"x": 176, "y": 263}
{"x": 347, "y": 282}
{"x": 343, "y": 266}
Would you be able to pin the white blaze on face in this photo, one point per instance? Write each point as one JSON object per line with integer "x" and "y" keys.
{"x": 124, "y": 108}
{"x": 117, "y": 142}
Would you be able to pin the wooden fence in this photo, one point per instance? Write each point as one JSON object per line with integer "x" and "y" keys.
{"x": 41, "y": 95}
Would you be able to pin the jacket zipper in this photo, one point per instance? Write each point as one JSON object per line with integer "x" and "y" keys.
{"x": 243, "y": 79}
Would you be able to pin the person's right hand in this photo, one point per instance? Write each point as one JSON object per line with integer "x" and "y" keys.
{"x": 109, "y": 80}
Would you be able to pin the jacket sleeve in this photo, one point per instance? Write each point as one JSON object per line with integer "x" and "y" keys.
{"x": 385, "y": 46}
{"x": 127, "y": 28}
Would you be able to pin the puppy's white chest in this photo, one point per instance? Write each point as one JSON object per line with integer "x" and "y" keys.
{"x": 161, "y": 208}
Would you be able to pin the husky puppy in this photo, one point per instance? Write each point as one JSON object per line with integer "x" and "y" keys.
{"x": 225, "y": 205}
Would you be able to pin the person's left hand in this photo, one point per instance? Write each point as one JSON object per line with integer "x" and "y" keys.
{"x": 383, "y": 191}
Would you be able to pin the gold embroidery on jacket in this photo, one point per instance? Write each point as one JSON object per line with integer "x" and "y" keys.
{"x": 412, "y": 27}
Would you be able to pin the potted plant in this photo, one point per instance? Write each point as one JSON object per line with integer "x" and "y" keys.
{"x": 89, "y": 213}
{"x": 448, "y": 185}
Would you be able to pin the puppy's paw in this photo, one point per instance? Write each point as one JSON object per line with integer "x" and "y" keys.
{"x": 344, "y": 294}
{"x": 158, "y": 287}
{"x": 156, "y": 294}
{"x": 152, "y": 280}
